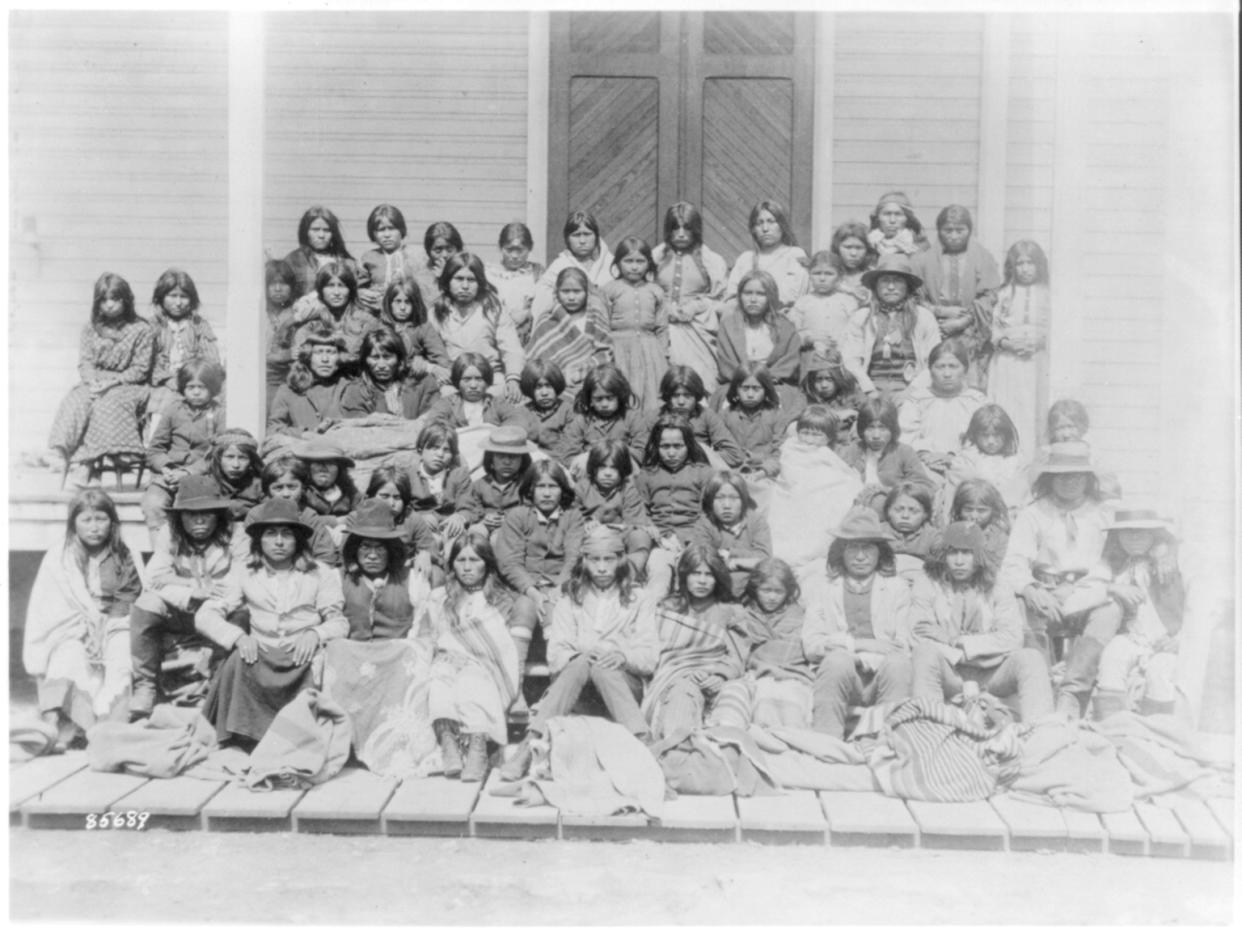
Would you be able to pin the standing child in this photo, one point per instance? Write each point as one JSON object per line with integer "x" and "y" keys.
{"x": 822, "y": 315}
{"x": 600, "y": 645}
{"x": 403, "y": 311}
{"x": 637, "y": 319}
{"x": 776, "y": 253}
{"x": 682, "y": 393}
{"x": 753, "y": 330}
{"x": 1018, "y": 379}
{"x": 320, "y": 242}
{"x": 1139, "y": 577}
{"x": 188, "y": 566}
{"x": 606, "y": 496}
{"x": 702, "y": 640}
{"x": 331, "y": 493}
{"x": 441, "y": 242}
{"x": 603, "y": 411}
{"x": 469, "y": 317}
{"x": 990, "y": 447}
{"x": 584, "y": 249}
{"x": 311, "y": 398}
{"x": 282, "y": 282}
{"x": 755, "y": 420}
{"x": 76, "y": 639}
{"x": 693, "y": 278}
{"x": 546, "y": 409}
{"x": 960, "y": 280}
{"x": 879, "y": 456}
{"x": 101, "y": 414}
{"x": 181, "y": 335}
{"x": 850, "y": 247}
{"x": 438, "y": 481}
{"x": 895, "y": 228}
{"x": 574, "y": 335}
{"x": 182, "y": 437}
{"x": 908, "y": 517}
{"x": 539, "y": 542}
{"x": 295, "y": 606}
{"x": 733, "y": 528}
{"x": 977, "y": 501}
{"x": 935, "y": 415}
{"x": 516, "y": 276}
{"x": 392, "y": 260}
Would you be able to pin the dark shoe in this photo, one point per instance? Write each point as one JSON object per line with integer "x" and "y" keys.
{"x": 141, "y": 701}
{"x": 476, "y": 758}
{"x": 517, "y": 765}
{"x": 447, "y": 733}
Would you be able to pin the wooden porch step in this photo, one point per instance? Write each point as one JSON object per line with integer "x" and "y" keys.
{"x": 970, "y": 825}
{"x": 173, "y": 804}
{"x": 868, "y": 818}
{"x": 350, "y": 803}
{"x": 432, "y": 806}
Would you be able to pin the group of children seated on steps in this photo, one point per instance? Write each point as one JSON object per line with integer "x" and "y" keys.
{"x": 639, "y": 410}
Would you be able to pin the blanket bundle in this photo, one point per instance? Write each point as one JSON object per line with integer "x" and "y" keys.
{"x": 307, "y": 744}
{"x": 166, "y": 744}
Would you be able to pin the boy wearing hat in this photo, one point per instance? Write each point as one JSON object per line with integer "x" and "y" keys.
{"x": 856, "y": 631}
{"x": 967, "y": 629}
{"x": 1054, "y": 543}
{"x": 190, "y": 559}
{"x": 887, "y": 341}
{"x": 506, "y": 456}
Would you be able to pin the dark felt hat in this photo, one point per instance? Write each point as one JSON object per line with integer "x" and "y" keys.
{"x": 276, "y": 511}
{"x": 372, "y": 519}
{"x": 200, "y": 493}
{"x": 892, "y": 264}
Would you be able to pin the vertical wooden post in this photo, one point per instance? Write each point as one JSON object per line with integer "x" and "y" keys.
{"x": 993, "y": 131}
{"x": 245, "y": 315}
{"x": 1069, "y": 214}
{"x": 823, "y": 95}
{"x": 538, "y": 66}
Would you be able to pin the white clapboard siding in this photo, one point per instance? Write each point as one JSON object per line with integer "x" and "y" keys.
{"x": 118, "y": 126}
{"x": 424, "y": 110}
{"x": 905, "y": 111}
{"x": 1031, "y": 132}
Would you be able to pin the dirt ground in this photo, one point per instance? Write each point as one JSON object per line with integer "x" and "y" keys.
{"x": 162, "y": 876}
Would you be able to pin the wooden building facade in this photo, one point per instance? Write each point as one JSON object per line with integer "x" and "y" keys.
{"x": 1103, "y": 137}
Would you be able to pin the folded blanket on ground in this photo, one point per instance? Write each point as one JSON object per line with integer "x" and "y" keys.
{"x": 596, "y": 767}
{"x": 164, "y": 745}
{"x": 1071, "y": 766}
{"x": 799, "y": 758}
{"x": 715, "y": 760}
{"x": 934, "y": 752}
{"x": 306, "y": 744}
{"x": 1162, "y": 755}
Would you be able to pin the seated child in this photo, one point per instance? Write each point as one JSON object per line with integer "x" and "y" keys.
{"x": 76, "y": 639}
{"x": 310, "y": 400}
{"x": 331, "y": 493}
{"x": 879, "y": 456}
{"x": 607, "y": 496}
{"x": 288, "y": 478}
{"x": 603, "y": 410}
{"x": 682, "y": 393}
{"x": 546, "y": 409}
{"x": 990, "y": 450}
{"x": 390, "y": 485}
{"x": 907, "y": 516}
{"x": 234, "y": 464}
{"x": 755, "y": 420}
{"x": 438, "y": 481}
{"x": 977, "y": 501}
{"x": 506, "y": 456}
{"x": 733, "y": 528}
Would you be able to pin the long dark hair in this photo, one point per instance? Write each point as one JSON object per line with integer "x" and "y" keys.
{"x": 679, "y": 423}
{"x": 580, "y": 580}
{"x": 94, "y": 498}
{"x": 692, "y": 556}
{"x": 984, "y": 576}
{"x": 302, "y": 558}
{"x": 336, "y": 245}
{"x": 395, "y": 548}
{"x": 492, "y": 586}
{"x": 183, "y": 545}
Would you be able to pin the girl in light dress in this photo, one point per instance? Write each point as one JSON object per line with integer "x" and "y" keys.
{"x": 585, "y": 249}
{"x": 1018, "y": 378}
{"x": 637, "y": 320}
{"x": 776, "y": 253}
{"x": 516, "y": 275}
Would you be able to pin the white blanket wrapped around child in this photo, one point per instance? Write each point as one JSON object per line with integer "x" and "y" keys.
{"x": 810, "y": 497}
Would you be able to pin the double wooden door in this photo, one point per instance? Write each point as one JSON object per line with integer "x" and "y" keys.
{"x": 651, "y": 108}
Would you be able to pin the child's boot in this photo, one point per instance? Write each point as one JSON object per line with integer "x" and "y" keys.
{"x": 476, "y": 758}
{"x": 518, "y": 764}
{"x": 447, "y": 732}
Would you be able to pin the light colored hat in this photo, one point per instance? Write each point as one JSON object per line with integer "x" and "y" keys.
{"x": 892, "y": 264}
{"x": 275, "y": 511}
{"x": 200, "y": 493}
{"x": 373, "y": 519}
{"x": 1137, "y": 517}
{"x": 1067, "y": 458}
{"x": 313, "y": 448}
{"x": 862, "y": 524}
{"x": 508, "y": 440}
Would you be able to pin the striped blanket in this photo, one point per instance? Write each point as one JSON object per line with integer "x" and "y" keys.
{"x": 555, "y": 339}
{"x": 707, "y": 647}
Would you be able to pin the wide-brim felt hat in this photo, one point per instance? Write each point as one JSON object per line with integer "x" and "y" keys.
{"x": 892, "y": 264}
{"x": 373, "y": 520}
{"x": 276, "y": 511}
{"x": 862, "y": 524}
{"x": 508, "y": 440}
{"x": 1137, "y": 517}
{"x": 200, "y": 493}
{"x": 1067, "y": 458}
{"x": 320, "y": 449}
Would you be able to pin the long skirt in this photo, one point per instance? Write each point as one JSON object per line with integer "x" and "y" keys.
{"x": 244, "y": 699}
{"x": 1020, "y": 387}
{"x": 85, "y": 428}
{"x": 641, "y": 358}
